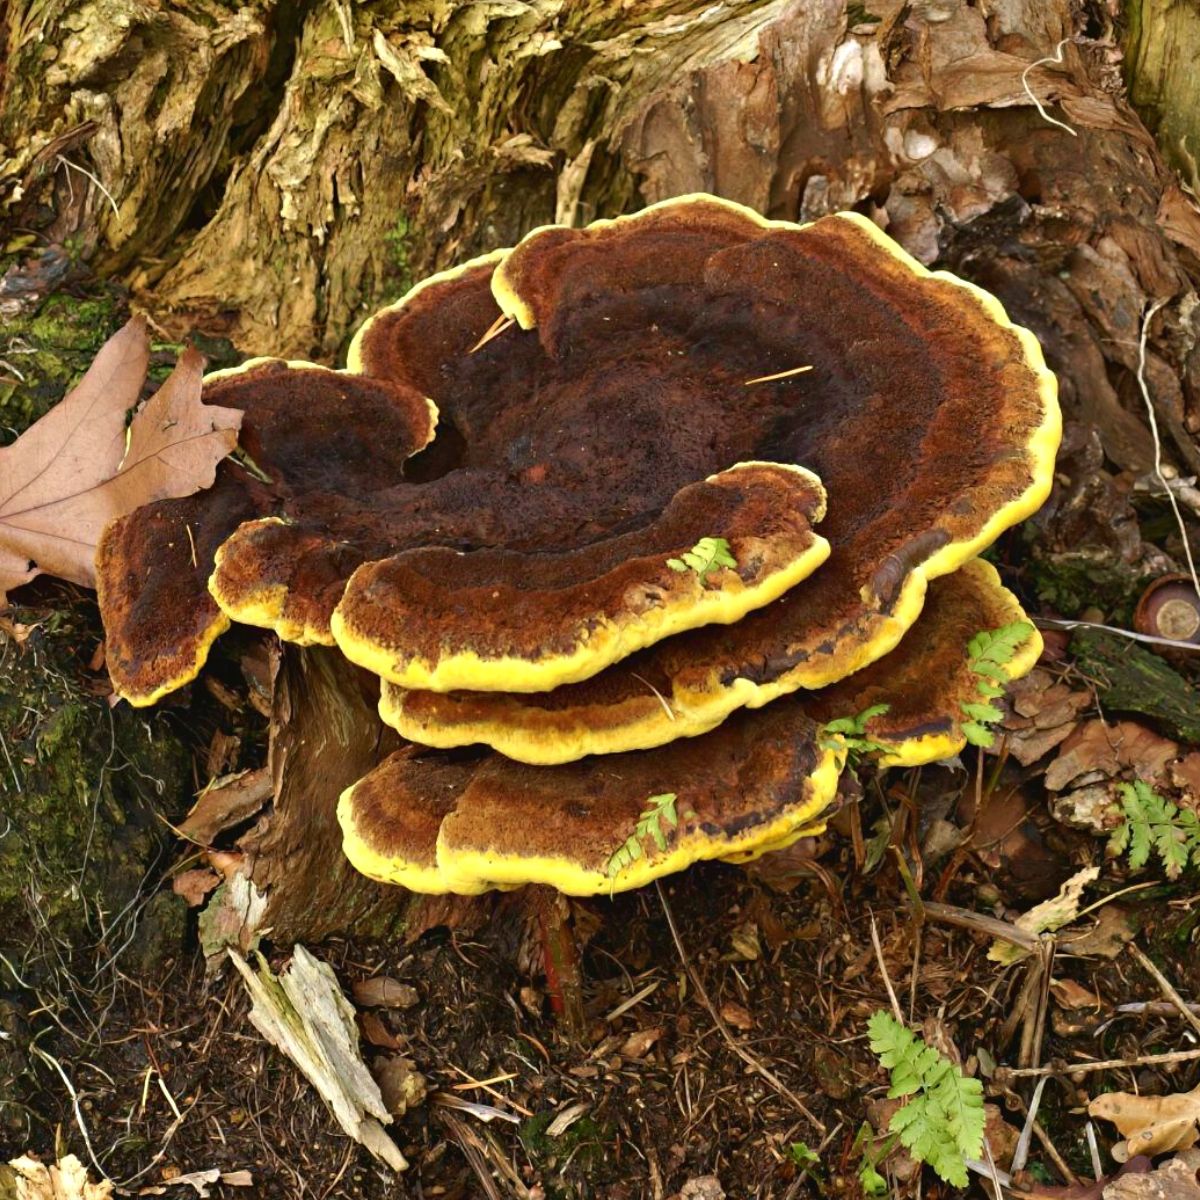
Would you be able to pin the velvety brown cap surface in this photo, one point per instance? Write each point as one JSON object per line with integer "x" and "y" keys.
{"x": 749, "y": 785}
{"x": 931, "y": 420}
{"x": 509, "y": 620}
{"x": 309, "y": 432}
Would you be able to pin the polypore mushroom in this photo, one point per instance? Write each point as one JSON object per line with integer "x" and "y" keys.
{"x": 503, "y": 620}
{"x": 315, "y": 437}
{"x": 434, "y": 822}
{"x": 758, "y": 782}
{"x": 930, "y": 418}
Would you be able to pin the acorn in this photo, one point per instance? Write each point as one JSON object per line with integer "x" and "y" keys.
{"x": 1170, "y": 608}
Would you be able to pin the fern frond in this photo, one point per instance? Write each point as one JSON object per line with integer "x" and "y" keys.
{"x": 989, "y": 652}
{"x": 1155, "y": 826}
{"x": 659, "y": 809}
{"x": 850, "y": 734}
{"x": 706, "y": 556}
{"x": 942, "y": 1123}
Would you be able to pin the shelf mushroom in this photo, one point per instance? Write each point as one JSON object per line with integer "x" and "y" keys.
{"x": 930, "y": 418}
{"x": 436, "y": 822}
{"x": 299, "y": 444}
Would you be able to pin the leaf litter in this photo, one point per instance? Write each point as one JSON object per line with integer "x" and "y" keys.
{"x": 78, "y": 468}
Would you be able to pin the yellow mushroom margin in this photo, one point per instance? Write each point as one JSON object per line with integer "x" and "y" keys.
{"x": 440, "y": 621}
{"x": 925, "y": 682}
{"x": 924, "y": 679}
{"x": 754, "y": 785}
{"x": 687, "y": 687}
{"x": 237, "y": 582}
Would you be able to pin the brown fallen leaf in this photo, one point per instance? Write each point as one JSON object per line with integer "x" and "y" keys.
{"x": 195, "y": 885}
{"x": 1150, "y": 1124}
{"x": 377, "y": 1033}
{"x": 72, "y": 472}
{"x": 737, "y": 1015}
{"x": 225, "y": 802}
{"x": 639, "y": 1043}
{"x": 1174, "y": 1180}
{"x": 382, "y": 991}
{"x": 400, "y": 1083}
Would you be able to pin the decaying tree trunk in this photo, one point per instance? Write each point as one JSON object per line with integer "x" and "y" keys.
{"x": 273, "y": 172}
{"x": 288, "y": 874}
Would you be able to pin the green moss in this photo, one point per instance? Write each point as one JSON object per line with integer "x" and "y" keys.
{"x": 1074, "y": 580}
{"x": 83, "y": 789}
{"x": 582, "y": 1144}
{"x": 396, "y": 240}
{"x": 48, "y": 352}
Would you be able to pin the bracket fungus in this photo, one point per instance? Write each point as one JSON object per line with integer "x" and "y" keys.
{"x": 507, "y": 621}
{"x": 302, "y": 449}
{"x": 930, "y": 418}
{"x": 608, "y": 548}
{"x": 438, "y": 822}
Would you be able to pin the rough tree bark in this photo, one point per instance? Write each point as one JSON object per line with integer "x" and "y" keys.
{"x": 276, "y": 171}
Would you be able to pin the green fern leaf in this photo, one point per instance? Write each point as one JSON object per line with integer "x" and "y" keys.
{"x": 1155, "y": 827}
{"x": 983, "y": 713}
{"x": 942, "y": 1123}
{"x": 706, "y": 556}
{"x": 989, "y": 652}
{"x": 978, "y": 735}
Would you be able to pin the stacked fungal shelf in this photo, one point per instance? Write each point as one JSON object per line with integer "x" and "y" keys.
{"x": 643, "y": 527}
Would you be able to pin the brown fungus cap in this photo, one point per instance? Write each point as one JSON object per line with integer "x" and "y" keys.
{"x": 430, "y": 824}
{"x": 929, "y": 683}
{"x": 930, "y": 418}
{"x": 503, "y": 620}
{"x": 923, "y": 681}
{"x": 310, "y": 433}
{"x": 432, "y": 821}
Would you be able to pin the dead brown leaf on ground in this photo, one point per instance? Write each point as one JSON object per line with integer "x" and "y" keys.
{"x": 1100, "y": 750}
{"x": 1044, "y": 712}
{"x": 1174, "y": 1180}
{"x": 75, "y": 470}
{"x": 1150, "y": 1124}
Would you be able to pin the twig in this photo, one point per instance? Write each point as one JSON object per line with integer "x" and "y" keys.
{"x": 1021, "y": 1153}
{"x": 66, "y": 162}
{"x": 965, "y": 918}
{"x": 1094, "y": 1151}
{"x": 1107, "y": 1064}
{"x": 777, "y": 376}
{"x": 83, "y": 1129}
{"x": 1158, "y": 471}
{"x": 1055, "y": 59}
{"x": 1148, "y": 638}
{"x": 719, "y": 1020}
{"x": 1167, "y": 987}
{"x": 494, "y": 330}
{"x": 661, "y": 698}
{"x": 887, "y": 982}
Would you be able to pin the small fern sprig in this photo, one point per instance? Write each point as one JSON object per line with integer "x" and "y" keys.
{"x": 659, "y": 810}
{"x": 704, "y": 557}
{"x": 850, "y": 734}
{"x": 989, "y": 653}
{"x": 1154, "y": 825}
{"x": 942, "y": 1123}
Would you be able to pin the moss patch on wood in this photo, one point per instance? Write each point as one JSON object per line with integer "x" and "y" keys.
{"x": 84, "y": 791}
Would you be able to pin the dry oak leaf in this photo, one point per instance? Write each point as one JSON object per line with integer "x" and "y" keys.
{"x": 76, "y": 469}
{"x": 1150, "y": 1124}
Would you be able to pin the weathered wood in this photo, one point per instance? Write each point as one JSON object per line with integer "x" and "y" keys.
{"x": 1162, "y": 47}
{"x": 1128, "y": 678}
{"x": 290, "y": 877}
